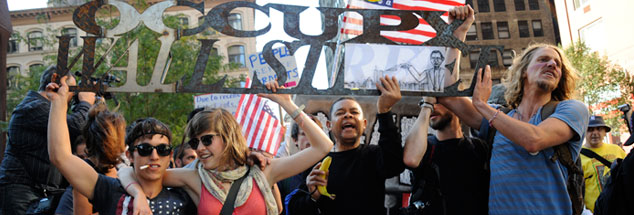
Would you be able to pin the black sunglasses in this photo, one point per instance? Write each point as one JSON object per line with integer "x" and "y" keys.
{"x": 145, "y": 149}
{"x": 206, "y": 140}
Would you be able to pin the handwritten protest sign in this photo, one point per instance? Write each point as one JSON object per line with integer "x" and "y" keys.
{"x": 228, "y": 102}
{"x": 258, "y": 66}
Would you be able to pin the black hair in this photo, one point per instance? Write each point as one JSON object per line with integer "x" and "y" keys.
{"x": 146, "y": 127}
{"x": 338, "y": 100}
{"x": 46, "y": 77}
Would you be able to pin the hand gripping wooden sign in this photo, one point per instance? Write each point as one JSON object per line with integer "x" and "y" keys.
{"x": 216, "y": 18}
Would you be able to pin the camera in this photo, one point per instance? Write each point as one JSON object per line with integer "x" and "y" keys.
{"x": 107, "y": 79}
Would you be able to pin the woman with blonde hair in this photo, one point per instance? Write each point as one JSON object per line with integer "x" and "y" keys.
{"x": 222, "y": 150}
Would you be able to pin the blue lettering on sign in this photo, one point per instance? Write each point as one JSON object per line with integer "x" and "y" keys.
{"x": 279, "y": 52}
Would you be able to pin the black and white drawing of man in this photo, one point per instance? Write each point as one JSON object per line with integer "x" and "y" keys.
{"x": 434, "y": 76}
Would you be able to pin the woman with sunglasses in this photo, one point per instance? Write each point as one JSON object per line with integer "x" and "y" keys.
{"x": 222, "y": 151}
{"x": 149, "y": 149}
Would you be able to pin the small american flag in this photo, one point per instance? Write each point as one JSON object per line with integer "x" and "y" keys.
{"x": 260, "y": 127}
{"x": 353, "y": 22}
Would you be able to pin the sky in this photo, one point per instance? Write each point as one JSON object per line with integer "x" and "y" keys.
{"x": 26, "y": 4}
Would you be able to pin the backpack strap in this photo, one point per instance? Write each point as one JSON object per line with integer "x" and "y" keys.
{"x": 591, "y": 154}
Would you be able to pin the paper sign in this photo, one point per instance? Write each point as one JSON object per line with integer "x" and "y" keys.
{"x": 417, "y": 68}
{"x": 228, "y": 102}
{"x": 265, "y": 73}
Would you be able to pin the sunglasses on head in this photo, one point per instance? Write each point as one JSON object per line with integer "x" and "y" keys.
{"x": 145, "y": 149}
{"x": 205, "y": 139}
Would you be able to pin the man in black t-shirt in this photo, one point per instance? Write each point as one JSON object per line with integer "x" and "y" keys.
{"x": 358, "y": 171}
{"x": 450, "y": 170}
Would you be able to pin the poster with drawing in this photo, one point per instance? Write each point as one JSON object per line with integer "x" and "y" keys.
{"x": 417, "y": 68}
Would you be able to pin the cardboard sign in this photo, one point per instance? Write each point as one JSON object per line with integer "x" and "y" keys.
{"x": 258, "y": 66}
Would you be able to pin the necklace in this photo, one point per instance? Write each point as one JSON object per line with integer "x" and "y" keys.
{"x": 521, "y": 117}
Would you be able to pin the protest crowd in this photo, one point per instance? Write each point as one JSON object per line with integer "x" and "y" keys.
{"x": 524, "y": 155}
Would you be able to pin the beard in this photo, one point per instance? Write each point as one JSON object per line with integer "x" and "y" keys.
{"x": 545, "y": 86}
{"x": 442, "y": 123}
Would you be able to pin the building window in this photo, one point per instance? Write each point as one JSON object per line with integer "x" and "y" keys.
{"x": 473, "y": 59}
{"x": 209, "y": 30}
{"x": 507, "y": 57}
{"x": 235, "y": 20}
{"x": 72, "y": 32}
{"x": 519, "y": 5}
{"x": 14, "y": 44}
{"x": 483, "y": 6}
{"x": 487, "y": 30}
{"x": 503, "y": 30}
{"x": 493, "y": 59}
{"x": 593, "y": 35}
{"x": 533, "y": 4}
{"x": 523, "y": 27}
{"x": 184, "y": 21}
{"x": 35, "y": 67}
{"x": 13, "y": 78}
{"x": 499, "y": 6}
{"x": 537, "y": 28}
{"x": 580, "y": 3}
{"x": 36, "y": 41}
{"x": 236, "y": 54}
{"x": 472, "y": 34}
{"x": 469, "y": 2}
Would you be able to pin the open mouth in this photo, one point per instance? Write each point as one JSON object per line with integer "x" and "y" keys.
{"x": 348, "y": 126}
{"x": 205, "y": 156}
{"x": 550, "y": 73}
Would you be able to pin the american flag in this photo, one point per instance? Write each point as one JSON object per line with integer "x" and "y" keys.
{"x": 353, "y": 22}
{"x": 260, "y": 127}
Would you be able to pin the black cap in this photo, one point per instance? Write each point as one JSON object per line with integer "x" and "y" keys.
{"x": 597, "y": 121}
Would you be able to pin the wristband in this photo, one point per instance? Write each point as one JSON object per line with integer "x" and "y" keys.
{"x": 492, "y": 118}
{"x": 424, "y": 104}
{"x": 297, "y": 112}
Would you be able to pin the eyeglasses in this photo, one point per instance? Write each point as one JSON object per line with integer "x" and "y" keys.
{"x": 206, "y": 140}
{"x": 145, "y": 149}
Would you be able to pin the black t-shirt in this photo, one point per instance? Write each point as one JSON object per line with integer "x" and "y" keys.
{"x": 110, "y": 198}
{"x": 357, "y": 176}
{"x": 463, "y": 173}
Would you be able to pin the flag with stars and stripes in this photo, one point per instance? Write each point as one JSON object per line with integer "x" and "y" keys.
{"x": 260, "y": 127}
{"x": 353, "y": 22}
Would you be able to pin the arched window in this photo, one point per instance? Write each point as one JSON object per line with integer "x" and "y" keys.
{"x": 36, "y": 41}
{"x": 13, "y": 78}
{"x": 36, "y": 67}
{"x": 14, "y": 44}
{"x": 235, "y": 20}
{"x": 236, "y": 54}
{"x": 72, "y": 32}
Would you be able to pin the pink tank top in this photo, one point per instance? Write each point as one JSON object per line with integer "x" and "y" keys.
{"x": 209, "y": 205}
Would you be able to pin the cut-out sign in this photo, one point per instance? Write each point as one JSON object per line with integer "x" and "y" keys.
{"x": 216, "y": 18}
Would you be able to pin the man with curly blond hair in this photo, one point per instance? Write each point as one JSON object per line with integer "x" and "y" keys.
{"x": 525, "y": 179}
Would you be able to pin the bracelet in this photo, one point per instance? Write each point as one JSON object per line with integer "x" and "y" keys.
{"x": 492, "y": 118}
{"x": 297, "y": 112}
{"x": 424, "y": 104}
{"x": 126, "y": 187}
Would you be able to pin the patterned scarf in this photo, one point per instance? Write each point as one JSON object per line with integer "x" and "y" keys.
{"x": 212, "y": 178}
